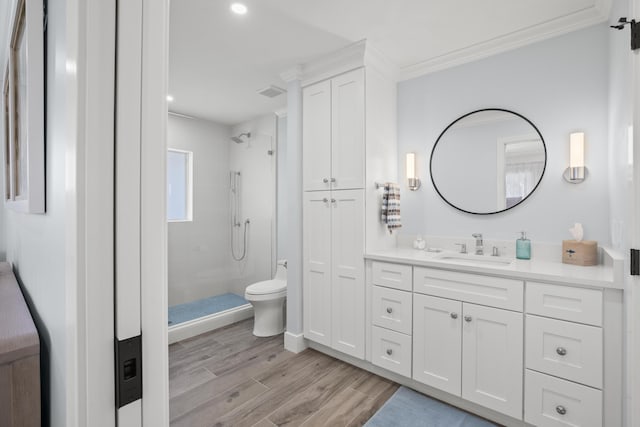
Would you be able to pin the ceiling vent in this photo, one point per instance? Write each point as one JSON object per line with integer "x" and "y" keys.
{"x": 271, "y": 91}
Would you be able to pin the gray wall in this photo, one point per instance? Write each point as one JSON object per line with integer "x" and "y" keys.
{"x": 620, "y": 119}
{"x": 199, "y": 254}
{"x": 561, "y": 85}
{"x": 36, "y": 244}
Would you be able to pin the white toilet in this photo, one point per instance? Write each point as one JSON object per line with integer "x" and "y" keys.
{"x": 267, "y": 298}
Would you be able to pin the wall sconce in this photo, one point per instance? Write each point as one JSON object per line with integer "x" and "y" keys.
{"x": 577, "y": 171}
{"x": 412, "y": 182}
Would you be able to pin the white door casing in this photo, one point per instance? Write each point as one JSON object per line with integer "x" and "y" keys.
{"x": 141, "y": 254}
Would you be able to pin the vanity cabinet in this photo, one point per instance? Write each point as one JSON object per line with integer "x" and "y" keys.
{"x": 333, "y": 270}
{"x": 333, "y": 146}
{"x": 469, "y": 350}
{"x": 564, "y": 374}
{"x": 391, "y": 317}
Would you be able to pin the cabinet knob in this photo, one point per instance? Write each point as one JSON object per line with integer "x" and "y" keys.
{"x": 468, "y": 318}
{"x": 333, "y": 200}
{"x": 325, "y": 180}
{"x": 333, "y": 180}
{"x": 389, "y": 310}
{"x": 389, "y": 351}
{"x": 561, "y": 409}
{"x": 561, "y": 351}
{"x": 454, "y": 315}
{"x": 325, "y": 200}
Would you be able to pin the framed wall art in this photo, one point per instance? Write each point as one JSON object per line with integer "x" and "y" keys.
{"x": 24, "y": 100}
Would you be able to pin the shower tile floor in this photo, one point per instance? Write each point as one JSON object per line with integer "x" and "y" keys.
{"x": 203, "y": 307}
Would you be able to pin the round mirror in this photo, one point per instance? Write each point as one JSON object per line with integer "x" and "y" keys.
{"x": 488, "y": 161}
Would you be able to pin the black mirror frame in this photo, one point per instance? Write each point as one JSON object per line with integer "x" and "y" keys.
{"x": 544, "y": 168}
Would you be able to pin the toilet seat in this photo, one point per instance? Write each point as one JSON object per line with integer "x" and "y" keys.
{"x": 267, "y": 289}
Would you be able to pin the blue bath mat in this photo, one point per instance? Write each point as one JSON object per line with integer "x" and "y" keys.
{"x": 407, "y": 408}
{"x": 203, "y": 307}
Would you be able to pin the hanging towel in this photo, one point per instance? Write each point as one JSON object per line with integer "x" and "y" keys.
{"x": 390, "y": 214}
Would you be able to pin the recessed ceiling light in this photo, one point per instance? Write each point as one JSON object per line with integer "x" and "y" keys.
{"x": 169, "y": 98}
{"x": 239, "y": 8}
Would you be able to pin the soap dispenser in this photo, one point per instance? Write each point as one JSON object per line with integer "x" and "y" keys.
{"x": 523, "y": 247}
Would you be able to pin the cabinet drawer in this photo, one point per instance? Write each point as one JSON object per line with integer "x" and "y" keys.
{"x": 565, "y": 302}
{"x": 564, "y": 349}
{"x": 484, "y": 290}
{"x": 391, "y": 350}
{"x": 392, "y": 309}
{"x": 554, "y": 402}
{"x": 395, "y": 276}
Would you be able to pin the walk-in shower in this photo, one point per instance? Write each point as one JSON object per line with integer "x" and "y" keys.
{"x": 230, "y": 241}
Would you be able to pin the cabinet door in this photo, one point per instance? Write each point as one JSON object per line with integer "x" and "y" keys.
{"x": 347, "y": 278}
{"x": 492, "y": 358}
{"x": 317, "y": 267}
{"x": 347, "y": 130}
{"x": 437, "y": 342}
{"x": 316, "y": 136}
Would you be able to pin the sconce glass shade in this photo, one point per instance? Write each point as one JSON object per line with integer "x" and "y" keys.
{"x": 412, "y": 182}
{"x": 576, "y": 172}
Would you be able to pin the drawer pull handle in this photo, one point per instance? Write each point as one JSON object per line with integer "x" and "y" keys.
{"x": 389, "y": 351}
{"x": 561, "y": 351}
{"x": 468, "y": 318}
{"x": 454, "y": 315}
{"x": 561, "y": 409}
{"x": 325, "y": 180}
{"x": 389, "y": 310}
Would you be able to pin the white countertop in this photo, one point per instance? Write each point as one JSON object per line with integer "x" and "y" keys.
{"x": 607, "y": 275}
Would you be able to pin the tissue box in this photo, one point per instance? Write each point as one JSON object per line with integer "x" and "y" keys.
{"x": 580, "y": 253}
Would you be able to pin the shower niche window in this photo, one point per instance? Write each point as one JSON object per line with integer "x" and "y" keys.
{"x": 179, "y": 185}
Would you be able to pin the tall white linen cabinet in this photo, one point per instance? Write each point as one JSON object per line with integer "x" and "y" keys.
{"x": 348, "y": 145}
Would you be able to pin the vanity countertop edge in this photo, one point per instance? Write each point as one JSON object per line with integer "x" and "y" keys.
{"x": 607, "y": 275}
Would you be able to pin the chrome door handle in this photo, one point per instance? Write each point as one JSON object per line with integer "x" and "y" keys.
{"x": 561, "y": 409}
{"x": 561, "y": 351}
{"x": 468, "y": 318}
{"x": 454, "y": 315}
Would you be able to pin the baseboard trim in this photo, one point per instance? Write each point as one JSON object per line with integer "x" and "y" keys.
{"x": 294, "y": 343}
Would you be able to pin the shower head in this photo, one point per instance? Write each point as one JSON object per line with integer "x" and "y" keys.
{"x": 238, "y": 139}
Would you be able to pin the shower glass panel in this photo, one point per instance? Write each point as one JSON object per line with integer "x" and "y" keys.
{"x": 230, "y": 241}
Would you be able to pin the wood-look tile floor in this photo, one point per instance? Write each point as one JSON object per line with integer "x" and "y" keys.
{"x": 228, "y": 377}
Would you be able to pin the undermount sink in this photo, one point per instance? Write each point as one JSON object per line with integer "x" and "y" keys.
{"x": 493, "y": 261}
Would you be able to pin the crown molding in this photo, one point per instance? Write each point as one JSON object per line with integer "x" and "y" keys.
{"x": 292, "y": 74}
{"x": 596, "y": 14}
{"x": 346, "y": 59}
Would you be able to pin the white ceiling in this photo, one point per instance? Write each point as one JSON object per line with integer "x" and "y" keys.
{"x": 219, "y": 60}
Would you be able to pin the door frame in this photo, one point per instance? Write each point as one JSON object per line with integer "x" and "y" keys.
{"x": 153, "y": 230}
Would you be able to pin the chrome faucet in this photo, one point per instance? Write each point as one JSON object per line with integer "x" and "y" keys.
{"x": 479, "y": 247}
